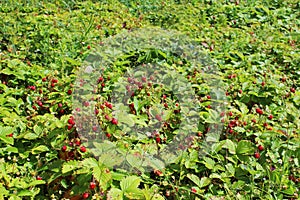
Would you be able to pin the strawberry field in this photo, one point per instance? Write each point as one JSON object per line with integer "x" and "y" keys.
{"x": 151, "y": 100}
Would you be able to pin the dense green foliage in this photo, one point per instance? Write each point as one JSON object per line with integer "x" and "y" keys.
{"x": 255, "y": 45}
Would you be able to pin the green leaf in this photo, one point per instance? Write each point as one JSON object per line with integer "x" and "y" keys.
{"x": 4, "y": 131}
{"x": 230, "y": 169}
{"x": 30, "y": 136}
{"x": 3, "y": 191}
{"x": 103, "y": 176}
{"x": 245, "y": 147}
{"x": 115, "y": 194}
{"x": 39, "y": 149}
{"x": 204, "y": 181}
{"x": 89, "y": 162}
{"x": 230, "y": 146}
{"x": 208, "y": 162}
{"x": 36, "y": 182}
{"x": 130, "y": 183}
{"x": 69, "y": 166}
{"x": 194, "y": 178}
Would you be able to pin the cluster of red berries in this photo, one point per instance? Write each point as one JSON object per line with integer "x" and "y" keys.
{"x": 71, "y": 123}
{"x": 257, "y": 154}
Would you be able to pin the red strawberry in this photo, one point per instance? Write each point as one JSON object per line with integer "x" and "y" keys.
{"x": 158, "y": 172}
{"x": 10, "y": 135}
{"x": 293, "y": 90}
{"x": 71, "y": 121}
{"x": 85, "y": 195}
{"x": 114, "y": 121}
{"x": 270, "y": 117}
{"x": 260, "y": 147}
{"x": 256, "y": 155}
{"x": 70, "y": 126}
{"x": 69, "y": 92}
{"x": 92, "y": 185}
{"x": 83, "y": 149}
{"x": 157, "y": 139}
{"x": 78, "y": 142}
{"x": 259, "y": 111}
{"x": 64, "y": 148}
{"x": 193, "y": 190}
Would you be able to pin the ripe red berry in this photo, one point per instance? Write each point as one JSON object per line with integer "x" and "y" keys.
{"x": 259, "y": 111}
{"x": 69, "y": 92}
{"x": 293, "y": 90}
{"x": 114, "y": 121}
{"x": 100, "y": 79}
{"x": 92, "y": 185}
{"x": 60, "y": 105}
{"x": 52, "y": 84}
{"x": 86, "y": 103}
{"x": 71, "y": 121}
{"x": 85, "y": 195}
{"x": 39, "y": 178}
{"x": 78, "y": 142}
{"x": 270, "y": 117}
{"x": 107, "y": 117}
{"x": 70, "y": 126}
{"x": 44, "y": 79}
{"x": 64, "y": 148}
{"x": 283, "y": 79}
{"x": 230, "y": 113}
{"x": 109, "y": 105}
{"x": 108, "y": 135}
{"x": 10, "y": 135}
{"x": 263, "y": 84}
{"x": 253, "y": 120}
{"x": 32, "y": 88}
{"x": 40, "y": 103}
{"x": 256, "y": 155}
{"x": 54, "y": 80}
{"x": 193, "y": 190}
{"x": 260, "y": 147}
{"x": 157, "y": 139}
{"x": 88, "y": 47}
{"x": 158, "y": 172}
{"x": 83, "y": 149}
{"x": 240, "y": 91}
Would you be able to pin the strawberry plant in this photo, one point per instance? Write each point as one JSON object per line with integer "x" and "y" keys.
{"x": 244, "y": 146}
